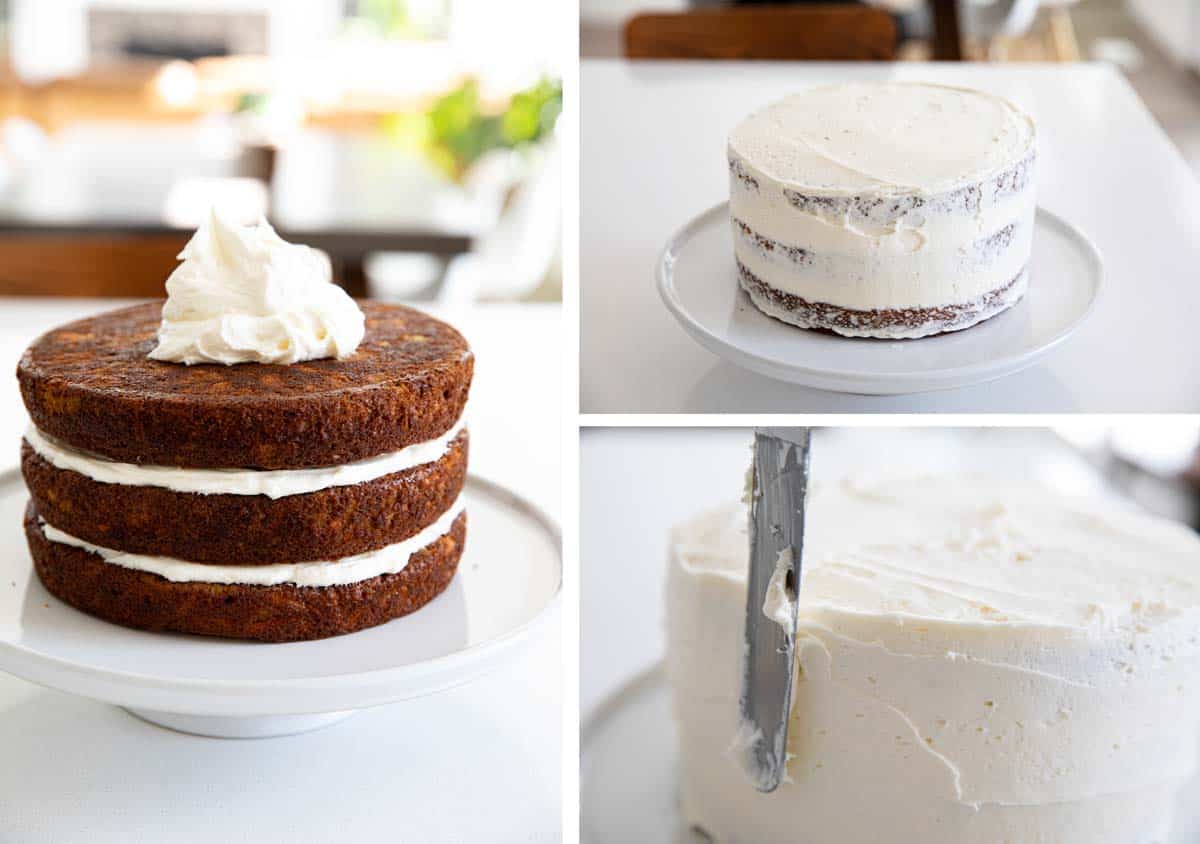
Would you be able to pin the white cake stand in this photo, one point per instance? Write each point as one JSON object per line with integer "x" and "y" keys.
{"x": 507, "y": 583}
{"x": 628, "y": 786}
{"x": 697, "y": 279}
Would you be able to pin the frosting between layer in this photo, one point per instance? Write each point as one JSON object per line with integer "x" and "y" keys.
{"x": 273, "y": 483}
{"x": 243, "y": 294}
{"x": 387, "y": 560}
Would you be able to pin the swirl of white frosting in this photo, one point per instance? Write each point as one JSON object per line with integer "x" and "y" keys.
{"x": 245, "y": 295}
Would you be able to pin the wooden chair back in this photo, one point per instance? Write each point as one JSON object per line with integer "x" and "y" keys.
{"x": 826, "y": 32}
{"x": 87, "y": 265}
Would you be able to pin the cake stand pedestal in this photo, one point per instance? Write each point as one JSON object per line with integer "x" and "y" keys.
{"x": 506, "y": 587}
{"x": 264, "y": 726}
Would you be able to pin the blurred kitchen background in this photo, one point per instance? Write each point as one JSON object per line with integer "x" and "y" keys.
{"x": 1156, "y": 43}
{"x": 414, "y": 141}
{"x": 1153, "y": 465}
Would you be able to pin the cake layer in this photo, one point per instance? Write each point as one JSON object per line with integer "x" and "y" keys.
{"x": 281, "y": 613}
{"x": 976, "y": 661}
{"x": 90, "y": 385}
{"x": 252, "y": 530}
{"x": 777, "y": 210}
{"x": 899, "y": 224}
{"x": 889, "y": 323}
{"x": 875, "y": 280}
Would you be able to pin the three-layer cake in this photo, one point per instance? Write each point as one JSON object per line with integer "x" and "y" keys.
{"x": 264, "y": 500}
{"x": 883, "y": 210}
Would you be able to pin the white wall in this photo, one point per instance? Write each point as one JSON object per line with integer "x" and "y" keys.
{"x": 517, "y": 39}
{"x": 1174, "y": 25}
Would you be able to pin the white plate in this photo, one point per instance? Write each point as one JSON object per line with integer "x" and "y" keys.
{"x": 508, "y": 577}
{"x": 697, "y": 279}
{"x": 627, "y": 782}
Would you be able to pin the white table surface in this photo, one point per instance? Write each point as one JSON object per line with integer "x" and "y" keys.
{"x": 479, "y": 763}
{"x": 653, "y": 157}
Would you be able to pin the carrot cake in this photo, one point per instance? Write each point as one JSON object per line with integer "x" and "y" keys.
{"x": 976, "y": 661}
{"x": 894, "y": 210}
{"x": 259, "y": 457}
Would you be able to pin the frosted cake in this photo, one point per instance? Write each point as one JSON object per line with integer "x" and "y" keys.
{"x": 976, "y": 662}
{"x": 891, "y": 210}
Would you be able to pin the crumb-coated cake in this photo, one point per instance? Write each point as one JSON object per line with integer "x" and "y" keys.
{"x": 977, "y": 661}
{"x": 260, "y": 457}
{"x": 890, "y": 210}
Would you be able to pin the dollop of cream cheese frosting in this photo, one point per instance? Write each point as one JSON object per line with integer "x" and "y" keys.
{"x": 977, "y": 661}
{"x": 245, "y": 295}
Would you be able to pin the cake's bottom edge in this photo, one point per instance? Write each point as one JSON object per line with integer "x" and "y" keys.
{"x": 889, "y": 324}
{"x": 283, "y": 613}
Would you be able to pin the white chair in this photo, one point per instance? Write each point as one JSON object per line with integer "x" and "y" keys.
{"x": 522, "y": 193}
{"x": 988, "y": 20}
{"x": 520, "y": 251}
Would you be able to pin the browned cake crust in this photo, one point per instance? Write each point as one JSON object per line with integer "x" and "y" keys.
{"x": 819, "y": 316}
{"x": 267, "y": 613}
{"x": 91, "y": 385}
{"x": 247, "y": 529}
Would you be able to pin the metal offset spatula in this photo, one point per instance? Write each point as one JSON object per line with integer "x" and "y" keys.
{"x": 778, "y": 491}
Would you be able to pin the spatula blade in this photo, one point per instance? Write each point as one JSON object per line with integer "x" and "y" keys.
{"x": 779, "y": 491}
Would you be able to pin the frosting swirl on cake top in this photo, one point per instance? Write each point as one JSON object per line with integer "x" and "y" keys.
{"x": 245, "y": 295}
{"x": 896, "y": 137}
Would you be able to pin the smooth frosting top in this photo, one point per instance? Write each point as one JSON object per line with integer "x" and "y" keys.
{"x": 245, "y": 295}
{"x": 886, "y": 137}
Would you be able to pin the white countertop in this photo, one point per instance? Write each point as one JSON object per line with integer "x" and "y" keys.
{"x": 479, "y": 763}
{"x": 653, "y": 157}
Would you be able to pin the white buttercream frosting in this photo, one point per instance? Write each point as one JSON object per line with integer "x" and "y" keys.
{"x": 901, "y": 137}
{"x": 273, "y": 483}
{"x": 889, "y": 196}
{"x": 243, "y": 294}
{"x": 976, "y": 661}
{"x": 387, "y": 560}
